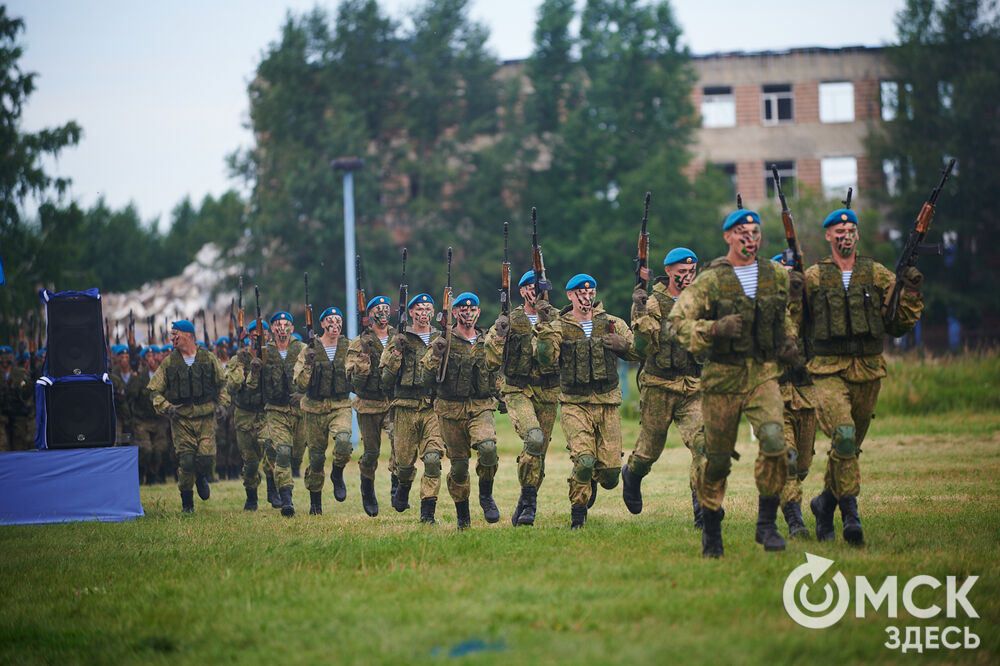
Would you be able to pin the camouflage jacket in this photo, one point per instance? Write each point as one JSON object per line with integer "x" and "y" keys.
{"x": 647, "y": 328}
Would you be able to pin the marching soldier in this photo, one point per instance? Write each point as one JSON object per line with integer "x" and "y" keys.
{"x": 531, "y": 396}
{"x": 321, "y": 373}
{"x": 584, "y": 343}
{"x": 186, "y": 388}
{"x": 669, "y": 382}
{"x": 227, "y": 462}
{"x": 121, "y": 373}
{"x": 150, "y": 431}
{"x": 16, "y": 403}
{"x": 847, "y": 297}
{"x": 243, "y": 383}
{"x": 464, "y": 405}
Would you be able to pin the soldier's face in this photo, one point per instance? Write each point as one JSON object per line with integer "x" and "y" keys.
{"x": 122, "y": 361}
{"x": 681, "y": 275}
{"x": 583, "y": 299}
{"x": 152, "y": 361}
{"x": 528, "y": 293}
{"x": 843, "y": 238}
{"x": 332, "y": 324}
{"x": 6, "y": 360}
{"x": 744, "y": 240}
{"x": 467, "y": 315}
{"x": 422, "y": 313}
{"x": 380, "y": 314}
{"x": 282, "y": 330}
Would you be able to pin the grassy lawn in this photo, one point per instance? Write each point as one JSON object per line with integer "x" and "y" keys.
{"x": 223, "y": 586}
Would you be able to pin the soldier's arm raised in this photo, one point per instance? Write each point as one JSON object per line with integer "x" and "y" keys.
{"x": 646, "y": 329}
{"x": 157, "y": 384}
{"x": 548, "y": 335}
{"x": 911, "y": 303}
{"x": 494, "y": 349}
{"x": 687, "y": 318}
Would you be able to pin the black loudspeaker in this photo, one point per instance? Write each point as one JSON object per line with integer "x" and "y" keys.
{"x": 79, "y": 415}
{"x": 75, "y": 344}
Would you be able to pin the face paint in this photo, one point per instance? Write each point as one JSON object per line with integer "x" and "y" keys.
{"x": 282, "y": 330}
{"x": 332, "y": 324}
{"x": 380, "y": 314}
{"x": 467, "y": 315}
{"x": 422, "y": 313}
{"x": 748, "y": 236}
{"x": 528, "y": 294}
{"x": 846, "y": 240}
{"x": 584, "y": 298}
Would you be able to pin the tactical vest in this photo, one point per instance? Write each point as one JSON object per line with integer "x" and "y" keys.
{"x": 585, "y": 365}
{"x": 519, "y": 358}
{"x": 672, "y": 359}
{"x": 370, "y": 387}
{"x": 139, "y": 397}
{"x": 408, "y": 381}
{"x": 277, "y": 374}
{"x": 466, "y": 375}
{"x": 246, "y": 398}
{"x": 329, "y": 378}
{"x": 763, "y": 316}
{"x": 193, "y": 385}
{"x": 847, "y": 322}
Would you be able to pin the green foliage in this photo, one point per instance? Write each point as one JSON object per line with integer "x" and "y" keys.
{"x": 968, "y": 383}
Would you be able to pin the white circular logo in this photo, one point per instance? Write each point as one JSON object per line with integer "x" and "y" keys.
{"x": 814, "y": 568}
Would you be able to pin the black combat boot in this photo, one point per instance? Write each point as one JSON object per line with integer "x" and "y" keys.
{"x": 767, "y": 531}
{"x": 632, "y": 490}
{"x": 852, "y": 521}
{"x": 287, "y": 508}
{"x": 823, "y": 506}
{"x": 518, "y": 509}
{"x": 315, "y": 504}
{"x": 427, "y": 507}
{"x": 251, "y": 503}
{"x": 272, "y": 492}
{"x": 793, "y": 516}
{"x": 577, "y": 515}
{"x": 711, "y": 534}
{"x": 201, "y": 483}
{"x": 337, "y": 477}
{"x": 368, "y": 499}
{"x": 593, "y": 493}
{"x": 187, "y": 501}
{"x": 529, "y": 495}
{"x": 393, "y": 485}
{"x": 401, "y": 500}
{"x": 462, "y": 514}
{"x": 490, "y": 511}
{"x": 699, "y": 521}
{"x": 296, "y": 468}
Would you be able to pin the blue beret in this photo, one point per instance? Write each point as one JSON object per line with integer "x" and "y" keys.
{"x": 297, "y": 337}
{"x": 183, "y": 325}
{"x": 6, "y": 350}
{"x": 199, "y": 343}
{"x": 527, "y": 278}
{"x": 331, "y": 311}
{"x": 23, "y": 355}
{"x": 464, "y": 299}
{"x": 253, "y": 325}
{"x": 581, "y": 280}
{"x": 741, "y": 216}
{"x": 40, "y": 352}
{"x": 167, "y": 348}
{"x": 679, "y": 254}
{"x": 781, "y": 259}
{"x": 223, "y": 340}
{"x": 840, "y": 215}
{"x": 281, "y": 316}
{"x": 378, "y": 300}
{"x": 419, "y": 298}
{"x": 118, "y": 349}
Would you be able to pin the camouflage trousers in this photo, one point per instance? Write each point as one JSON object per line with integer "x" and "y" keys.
{"x": 17, "y": 433}
{"x": 194, "y": 444}
{"x": 152, "y": 437}
{"x": 764, "y": 409}
{"x": 800, "y": 437}
{"x": 594, "y": 441}
{"x": 526, "y": 415}
{"x": 327, "y": 430}
{"x": 300, "y": 435}
{"x": 227, "y": 449}
{"x": 658, "y": 409}
{"x": 248, "y": 429}
{"x": 460, "y": 437}
{"x": 278, "y": 433}
{"x": 416, "y": 433}
{"x": 846, "y": 410}
{"x": 371, "y": 427}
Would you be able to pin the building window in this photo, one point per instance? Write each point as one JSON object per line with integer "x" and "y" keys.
{"x": 729, "y": 169}
{"x": 892, "y": 101}
{"x": 786, "y": 172}
{"x": 836, "y": 102}
{"x": 777, "y": 104}
{"x": 718, "y": 108}
{"x": 890, "y": 173}
{"x": 837, "y": 174}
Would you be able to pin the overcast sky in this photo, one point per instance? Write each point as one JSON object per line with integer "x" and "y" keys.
{"x": 160, "y": 87}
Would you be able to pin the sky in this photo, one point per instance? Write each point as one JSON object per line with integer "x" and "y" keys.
{"x": 160, "y": 87}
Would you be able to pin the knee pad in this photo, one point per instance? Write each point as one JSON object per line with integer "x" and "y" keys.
{"x": 269, "y": 450}
{"x": 186, "y": 463}
{"x": 583, "y": 468}
{"x": 793, "y": 462}
{"x": 432, "y": 464}
{"x": 342, "y": 445}
{"x": 203, "y": 465}
{"x": 459, "y": 470}
{"x": 369, "y": 459}
{"x": 488, "y": 453}
{"x": 608, "y": 477}
{"x": 717, "y": 466}
{"x": 843, "y": 441}
{"x": 772, "y": 439}
{"x": 283, "y": 458}
{"x": 534, "y": 442}
{"x": 406, "y": 474}
{"x": 639, "y": 467}
{"x": 250, "y": 468}
{"x": 316, "y": 460}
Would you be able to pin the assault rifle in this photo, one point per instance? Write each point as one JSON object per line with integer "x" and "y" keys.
{"x": 444, "y": 320}
{"x": 542, "y": 285}
{"x": 215, "y": 328}
{"x": 204, "y": 329}
{"x": 847, "y": 201}
{"x": 260, "y": 334}
{"x": 133, "y": 348}
{"x": 239, "y": 318}
{"x": 642, "y": 273}
{"x": 505, "y": 277}
{"x": 233, "y": 342}
{"x": 786, "y": 220}
{"x": 915, "y": 245}
{"x": 363, "y": 318}
{"x": 401, "y": 324}
{"x": 309, "y": 314}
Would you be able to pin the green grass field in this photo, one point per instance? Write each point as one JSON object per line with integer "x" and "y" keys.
{"x": 223, "y": 586}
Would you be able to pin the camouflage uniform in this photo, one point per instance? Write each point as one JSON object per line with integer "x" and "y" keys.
{"x": 326, "y": 407}
{"x": 150, "y": 431}
{"x": 248, "y": 419}
{"x": 590, "y": 397}
{"x": 848, "y": 331}
{"x": 278, "y": 431}
{"x": 194, "y": 391}
{"x": 532, "y": 400}
{"x": 415, "y": 428}
{"x": 227, "y": 450}
{"x": 123, "y": 412}
{"x": 669, "y": 393}
{"x": 17, "y": 414}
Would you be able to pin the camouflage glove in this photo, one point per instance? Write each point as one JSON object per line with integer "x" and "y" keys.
{"x": 244, "y": 357}
{"x": 438, "y": 347}
{"x": 295, "y": 401}
{"x": 912, "y": 279}
{"x": 730, "y": 326}
{"x": 172, "y": 413}
{"x": 256, "y": 365}
{"x": 615, "y": 343}
{"x": 789, "y": 354}
{"x": 639, "y": 297}
{"x": 502, "y": 326}
{"x": 546, "y": 311}
{"x": 796, "y": 285}
{"x": 310, "y": 356}
{"x": 399, "y": 342}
